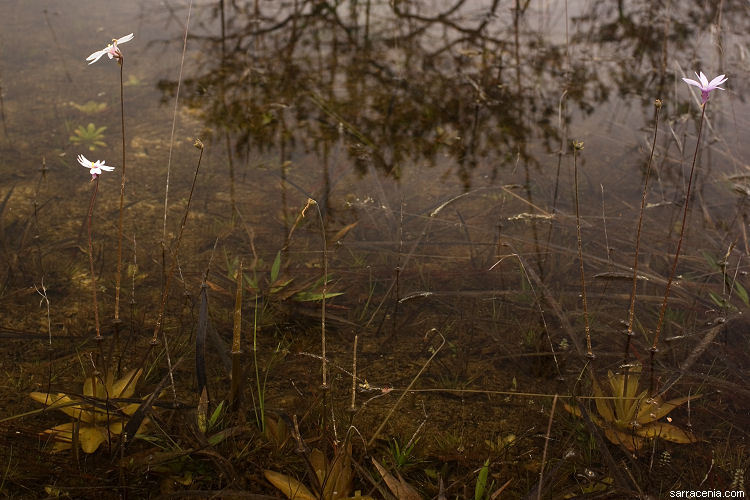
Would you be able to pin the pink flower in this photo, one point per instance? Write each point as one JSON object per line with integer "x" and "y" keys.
{"x": 95, "y": 168}
{"x": 112, "y": 50}
{"x": 706, "y": 86}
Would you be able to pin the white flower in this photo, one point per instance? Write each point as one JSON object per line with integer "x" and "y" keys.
{"x": 95, "y": 168}
{"x": 112, "y": 50}
{"x": 706, "y": 86}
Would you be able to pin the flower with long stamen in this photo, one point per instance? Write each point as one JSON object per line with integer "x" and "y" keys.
{"x": 706, "y": 86}
{"x": 95, "y": 167}
{"x": 111, "y": 50}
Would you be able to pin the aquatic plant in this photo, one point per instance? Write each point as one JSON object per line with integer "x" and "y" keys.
{"x": 89, "y": 107}
{"x": 97, "y": 413}
{"x": 111, "y": 50}
{"x": 89, "y": 136}
{"x": 630, "y": 418}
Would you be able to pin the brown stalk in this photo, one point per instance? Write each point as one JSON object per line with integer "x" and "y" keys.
{"x": 631, "y": 313}
{"x": 663, "y": 309}
{"x": 98, "y": 337}
{"x": 577, "y": 146}
{"x": 160, "y": 318}
{"x": 118, "y": 278}
{"x": 234, "y": 396}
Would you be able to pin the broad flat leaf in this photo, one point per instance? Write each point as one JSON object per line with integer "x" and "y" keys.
{"x": 651, "y": 413}
{"x": 63, "y": 403}
{"x": 125, "y": 388}
{"x": 630, "y": 441}
{"x": 603, "y": 406}
{"x": 293, "y": 489}
{"x": 400, "y": 488}
{"x": 319, "y": 463}
{"x": 62, "y": 435}
{"x": 666, "y": 431}
{"x": 91, "y": 437}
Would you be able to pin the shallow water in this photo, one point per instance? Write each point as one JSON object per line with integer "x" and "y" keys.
{"x": 436, "y": 140}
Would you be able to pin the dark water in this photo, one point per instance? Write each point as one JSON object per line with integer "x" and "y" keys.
{"x": 436, "y": 140}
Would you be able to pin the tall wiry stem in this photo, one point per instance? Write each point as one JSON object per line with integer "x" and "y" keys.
{"x": 171, "y": 142}
{"x": 118, "y": 278}
{"x": 91, "y": 259}
{"x": 577, "y": 146}
{"x": 663, "y": 309}
{"x": 631, "y": 313}
{"x": 168, "y": 278}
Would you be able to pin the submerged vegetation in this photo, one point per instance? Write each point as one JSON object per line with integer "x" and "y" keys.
{"x": 90, "y": 137}
{"x": 387, "y": 267}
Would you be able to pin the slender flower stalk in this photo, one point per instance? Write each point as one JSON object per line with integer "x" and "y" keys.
{"x": 118, "y": 277}
{"x": 95, "y": 169}
{"x": 113, "y": 51}
{"x": 631, "y": 313}
{"x": 165, "y": 293}
{"x": 95, "y": 180}
{"x": 706, "y": 88}
{"x": 578, "y": 146}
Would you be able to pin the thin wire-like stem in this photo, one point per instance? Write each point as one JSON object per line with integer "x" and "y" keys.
{"x": 325, "y": 292}
{"x": 577, "y": 146}
{"x": 91, "y": 258}
{"x": 663, "y": 310}
{"x": 546, "y": 443}
{"x": 354, "y": 374}
{"x": 631, "y": 313}
{"x": 118, "y": 278}
{"x": 171, "y": 137}
{"x": 168, "y": 279}
{"x": 409, "y": 387}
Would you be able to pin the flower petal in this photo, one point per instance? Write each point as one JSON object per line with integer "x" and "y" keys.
{"x": 84, "y": 161}
{"x": 691, "y": 82}
{"x": 126, "y": 38}
{"x": 96, "y": 56}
